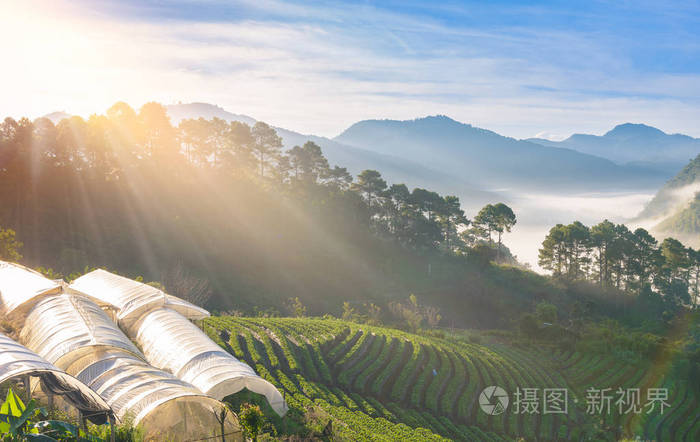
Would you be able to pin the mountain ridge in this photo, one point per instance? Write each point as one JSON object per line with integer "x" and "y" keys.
{"x": 446, "y": 144}
{"x": 634, "y": 143}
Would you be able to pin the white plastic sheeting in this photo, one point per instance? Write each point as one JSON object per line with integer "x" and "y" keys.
{"x": 20, "y": 286}
{"x": 132, "y": 299}
{"x": 62, "y": 328}
{"x": 166, "y": 406}
{"x": 17, "y": 360}
{"x": 171, "y": 342}
{"x": 177, "y": 399}
{"x": 75, "y": 334}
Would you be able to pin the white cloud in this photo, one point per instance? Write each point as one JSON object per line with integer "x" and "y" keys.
{"x": 319, "y": 77}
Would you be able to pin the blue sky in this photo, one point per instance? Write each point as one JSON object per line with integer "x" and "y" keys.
{"x": 520, "y": 68}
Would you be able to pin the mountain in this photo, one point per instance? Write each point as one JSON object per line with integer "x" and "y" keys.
{"x": 55, "y": 117}
{"x": 675, "y": 209}
{"x": 636, "y": 144}
{"x": 395, "y": 169}
{"x": 495, "y": 161}
{"x": 182, "y": 111}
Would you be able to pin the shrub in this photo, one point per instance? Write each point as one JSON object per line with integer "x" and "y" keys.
{"x": 546, "y": 312}
{"x": 252, "y": 420}
{"x": 296, "y": 308}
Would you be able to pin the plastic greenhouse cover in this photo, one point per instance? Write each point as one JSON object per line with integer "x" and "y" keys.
{"x": 132, "y": 386}
{"x": 66, "y": 326}
{"x": 168, "y": 407}
{"x": 20, "y": 285}
{"x": 133, "y": 299}
{"x": 75, "y": 333}
{"x": 171, "y": 342}
{"x": 17, "y": 360}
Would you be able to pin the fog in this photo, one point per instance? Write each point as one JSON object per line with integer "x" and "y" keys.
{"x": 537, "y": 213}
{"x": 673, "y": 202}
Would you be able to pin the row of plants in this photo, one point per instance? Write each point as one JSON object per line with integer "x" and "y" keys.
{"x": 388, "y": 352}
{"x": 436, "y": 386}
{"x": 425, "y": 375}
{"x": 380, "y": 380}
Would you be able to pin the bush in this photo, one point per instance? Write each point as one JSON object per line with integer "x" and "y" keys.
{"x": 252, "y": 420}
{"x": 546, "y": 312}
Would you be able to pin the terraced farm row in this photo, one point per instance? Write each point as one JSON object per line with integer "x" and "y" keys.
{"x": 383, "y": 384}
{"x": 370, "y": 376}
{"x": 680, "y": 421}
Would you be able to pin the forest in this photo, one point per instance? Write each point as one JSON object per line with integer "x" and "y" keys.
{"x": 631, "y": 261}
{"x": 220, "y": 211}
{"x": 129, "y": 191}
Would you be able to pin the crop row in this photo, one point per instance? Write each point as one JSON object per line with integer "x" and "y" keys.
{"x": 348, "y": 368}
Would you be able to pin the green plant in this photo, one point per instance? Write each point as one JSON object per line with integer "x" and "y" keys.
{"x": 15, "y": 416}
{"x": 296, "y": 307}
{"x": 16, "y": 422}
{"x": 252, "y": 420}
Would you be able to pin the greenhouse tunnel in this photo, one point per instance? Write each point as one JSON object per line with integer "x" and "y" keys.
{"x": 89, "y": 346}
{"x": 83, "y": 351}
{"x": 18, "y": 362}
{"x": 160, "y": 325}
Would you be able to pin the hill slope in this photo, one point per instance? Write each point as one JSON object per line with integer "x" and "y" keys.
{"x": 494, "y": 160}
{"x": 395, "y": 168}
{"x": 375, "y": 383}
{"x": 675, "y": 209}
{"x": 634, "y": 144}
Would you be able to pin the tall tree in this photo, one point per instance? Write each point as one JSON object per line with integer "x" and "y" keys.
{"x": 371, "y": 185}
{"x": 504, "y": 220}
{"x": 646, "y": 257}
{"x": 451, "y": 217}
{"x": 239, "y": 146}
{"x": 427, "y": 202}
{"x": 602, "y": 237}
{"x": 266, "y": 144}
{"x": 578, "y": 244}
{"x": 553, "y": 254}
{"x": 158, "y": 135}
{"x": 218, "y": 139}
{"x": 339, "y": 178}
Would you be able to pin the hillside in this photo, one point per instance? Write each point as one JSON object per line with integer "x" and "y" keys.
{"x": 493, "y": 160}
{"x": 396, "y": 168}
{"x": 634, "y": 144}
{"x": 675, "y": 209}
{"x": 376, "y": 383}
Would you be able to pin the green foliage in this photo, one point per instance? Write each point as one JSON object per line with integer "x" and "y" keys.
{"x": 124, "y": 431}
{"x": 17, "y": 422}
{"x": 15, "y": 416}
{"x": 9, "y": 245}
{"x": 546, "y": 312}
{"x": 296, "y": 307}
{"x": 609, "y": 337}
{"x": 252, "y": 420}
{"x": 618, "y": 259}
{"x": 378, "y": 390}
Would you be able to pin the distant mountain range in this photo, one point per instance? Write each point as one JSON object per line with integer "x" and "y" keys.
{"x": 675, "y": 209}
{"x": 445, "y": 155}
{"x": 496, "y": 161}
{"x": 396, "y": 169}
{"x": 636, "y": 144}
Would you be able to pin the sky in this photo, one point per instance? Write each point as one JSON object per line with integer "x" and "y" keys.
{"x": 523, "y": 69}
